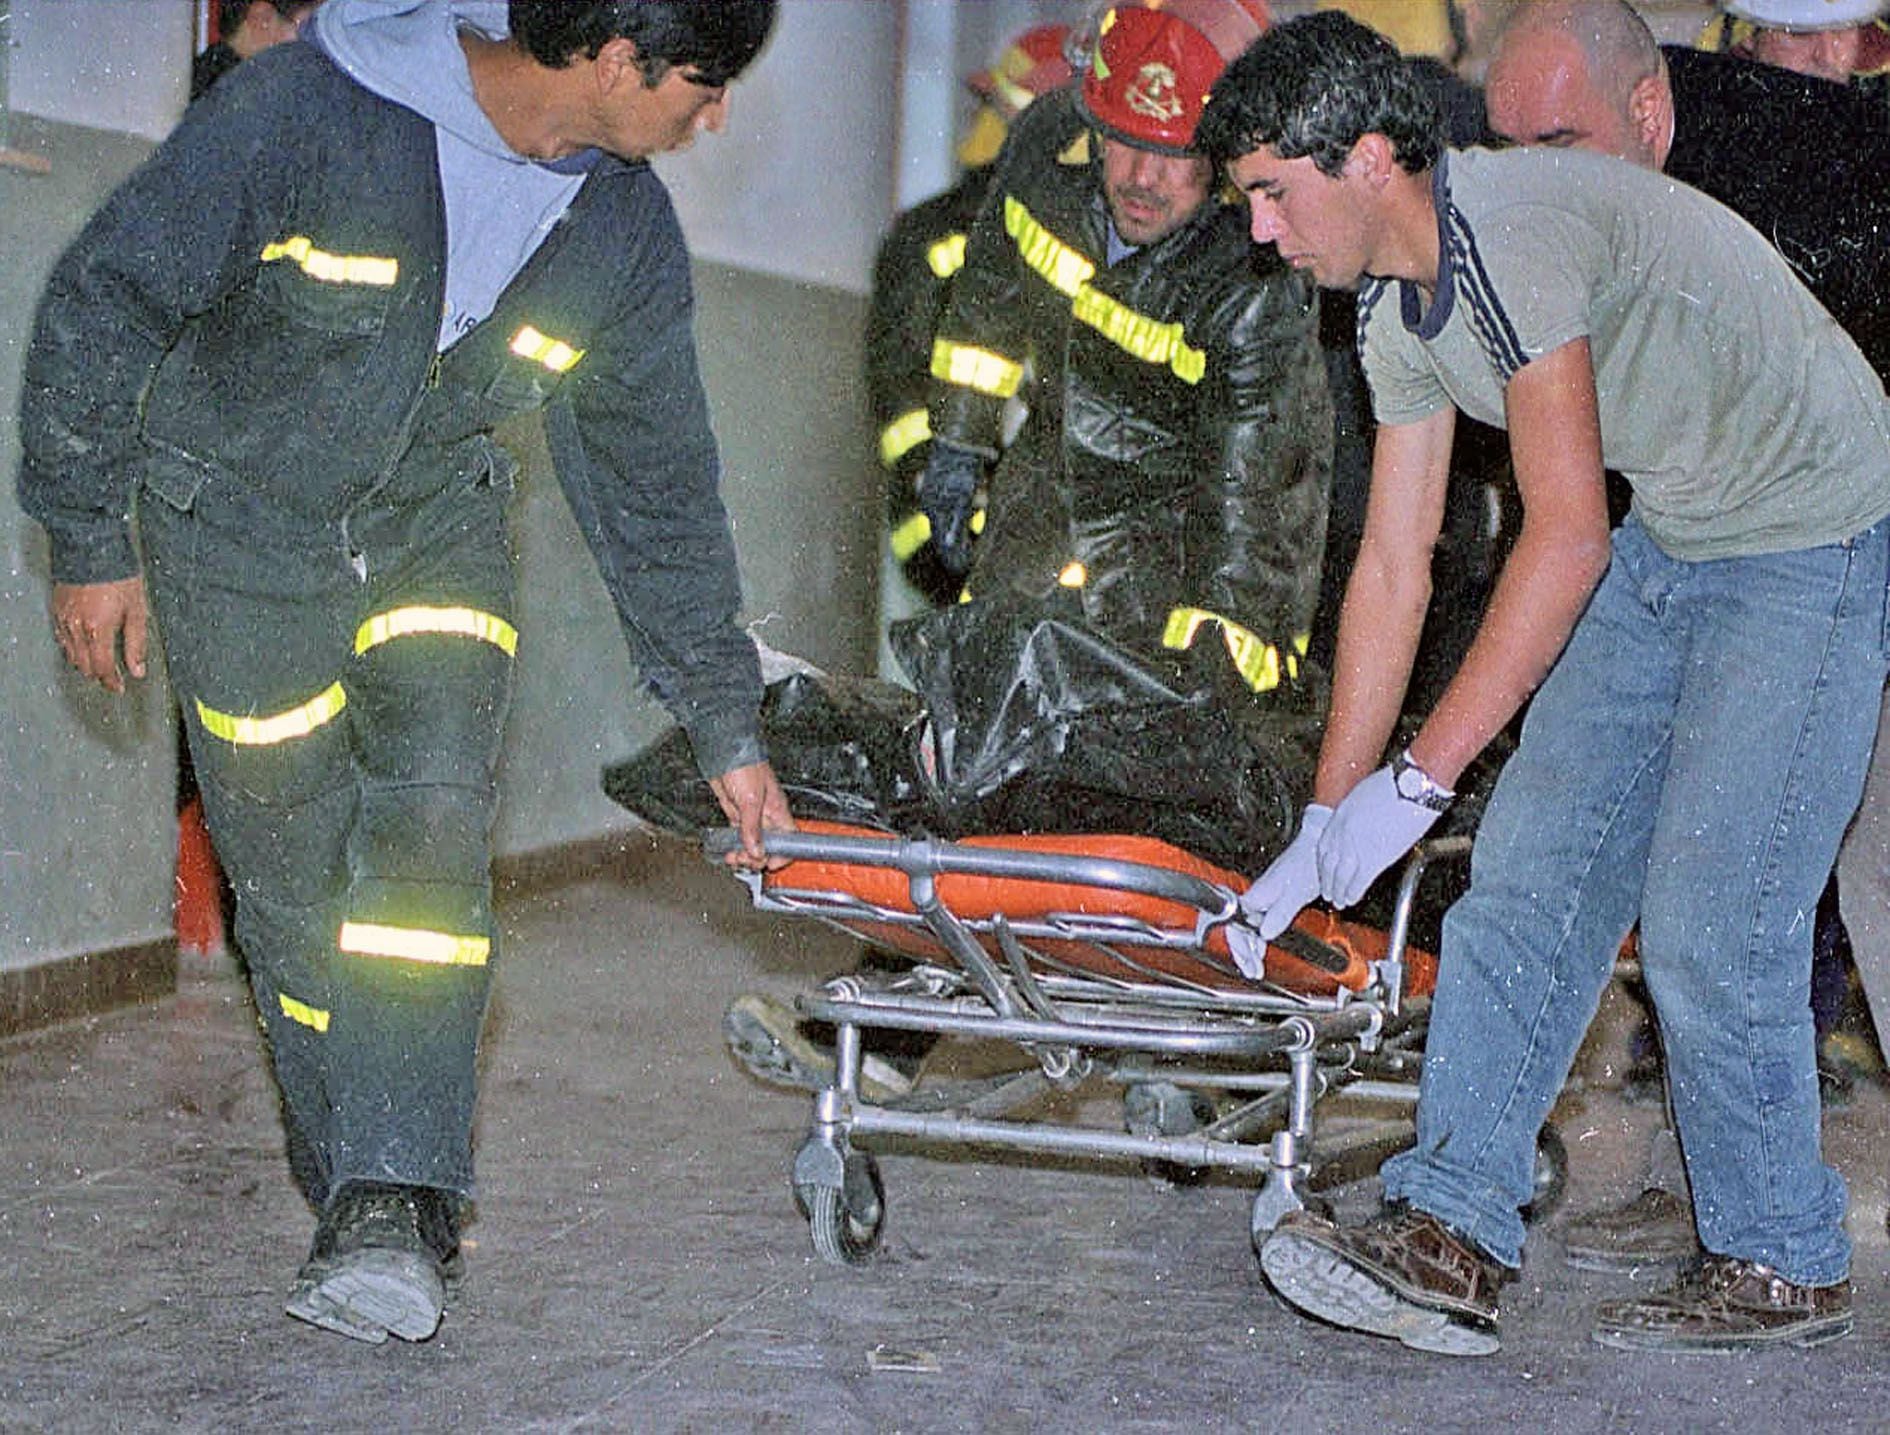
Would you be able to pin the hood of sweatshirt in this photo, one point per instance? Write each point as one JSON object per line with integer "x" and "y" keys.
{"x": 402, "y": 49}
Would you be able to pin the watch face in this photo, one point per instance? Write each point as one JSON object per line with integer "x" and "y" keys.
{"x": 1410, "y": 783}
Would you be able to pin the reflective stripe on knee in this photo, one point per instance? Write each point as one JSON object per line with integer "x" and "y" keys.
{"x": 308, "y": 1016}
{"x": 460, "y": 622}
{"x": 414, "y": 944}
{"x": 265, "y": 731}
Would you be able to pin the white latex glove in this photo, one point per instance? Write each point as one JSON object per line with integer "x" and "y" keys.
{"x": 1372, "y": 828}
{"x": 1275, "y": 898}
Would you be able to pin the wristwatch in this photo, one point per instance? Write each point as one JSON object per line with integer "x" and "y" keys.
{"x": 1414, "y": 784}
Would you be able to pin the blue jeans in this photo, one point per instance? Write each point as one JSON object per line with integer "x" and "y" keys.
{"x": 1690, "y": 764}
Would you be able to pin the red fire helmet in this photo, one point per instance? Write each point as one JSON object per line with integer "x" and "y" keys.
{"x": 1033, "y": 64}
{"x": 1155, "y": 62}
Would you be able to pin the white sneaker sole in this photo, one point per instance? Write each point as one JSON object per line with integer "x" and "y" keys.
{"x": 1322, "y": 1283}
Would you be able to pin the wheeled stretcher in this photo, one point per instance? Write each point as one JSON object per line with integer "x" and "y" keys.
{"x": 1099, "y": 958}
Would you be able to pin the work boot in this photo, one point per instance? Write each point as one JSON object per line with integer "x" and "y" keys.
{"x": 1404, "y": 1274}
{"x": 772, "y": 1043}
{"x": 380, "y": 1262}
{"x": 1655, "y": 1229}
{"x": 1723, "y": 1306}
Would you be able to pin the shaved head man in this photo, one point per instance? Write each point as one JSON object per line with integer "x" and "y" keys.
{"x": 1584, "y": 74}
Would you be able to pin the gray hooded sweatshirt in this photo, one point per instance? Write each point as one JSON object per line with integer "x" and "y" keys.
{"x": 408, "y": 51}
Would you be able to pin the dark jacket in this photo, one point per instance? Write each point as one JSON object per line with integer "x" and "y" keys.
{"x": 1179, "y": 434}
{"x": 912, "y": 282}
{"x": 1806, "y": 162}
{"x": 251, "y": 321}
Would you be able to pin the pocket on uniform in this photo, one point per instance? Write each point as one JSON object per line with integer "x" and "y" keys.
{"x": 335, "y": 293}
{"x": 534, "y": 365}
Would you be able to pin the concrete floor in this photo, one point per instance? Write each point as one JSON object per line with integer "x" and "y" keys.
{"x": 639, "y": 1264}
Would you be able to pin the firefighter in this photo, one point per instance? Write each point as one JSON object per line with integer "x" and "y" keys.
{"x": 285, "y": 341}
{"x": 922, "y": 251}
{"x": 1168, "y": 486}
{"x": 1169, "y": 480}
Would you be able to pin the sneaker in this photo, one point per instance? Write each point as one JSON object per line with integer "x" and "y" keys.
{"x": 1654, "y": 1229}
{"x": 772, "y": 1043}
{"x": 1404, "y": 1274}
{"x": 380, "y": 1263}
{"x": 1723, "y": 1306}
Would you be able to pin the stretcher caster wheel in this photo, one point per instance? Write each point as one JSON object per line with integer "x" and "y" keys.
{"x": 846, "y": 1220}
{"x": 1551, "y": 1176}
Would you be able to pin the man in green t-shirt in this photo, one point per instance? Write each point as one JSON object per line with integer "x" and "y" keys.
{"x": 1709, "y": 679}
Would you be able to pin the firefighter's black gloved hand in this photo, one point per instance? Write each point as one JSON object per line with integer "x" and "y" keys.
{"x": 946, "y": 494}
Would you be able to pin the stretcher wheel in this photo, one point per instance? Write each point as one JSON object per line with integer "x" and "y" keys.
{"x": 845, "y": 1220}
{"x": 1551, "y": 1175}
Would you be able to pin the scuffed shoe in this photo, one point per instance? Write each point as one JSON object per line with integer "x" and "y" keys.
{"x": 1653, "y": 1230}
{"x": 1404, "y": 1274}
{"x": 770, "y": 1041}
{"x": 380, "y": 1263}
{"x": 1724, "y": 1306}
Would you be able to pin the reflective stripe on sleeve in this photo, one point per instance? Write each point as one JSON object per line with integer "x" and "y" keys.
{"x": 945, "y": 257}
{"x": 554, "y": 354}
{"x": 970, "y": 367}
{"x": 904, "y": 434}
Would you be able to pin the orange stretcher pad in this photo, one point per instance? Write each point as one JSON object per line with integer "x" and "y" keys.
{"x": 976, "y": 900}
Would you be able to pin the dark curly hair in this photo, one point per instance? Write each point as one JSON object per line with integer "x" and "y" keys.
{"x": 1310, "y": 87}
{"x": 714, "y": 40}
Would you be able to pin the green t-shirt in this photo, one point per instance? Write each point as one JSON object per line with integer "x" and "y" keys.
{"x": 1744, "y": 418}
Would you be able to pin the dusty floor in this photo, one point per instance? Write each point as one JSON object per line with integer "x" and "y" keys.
{"x": 639, "y": 1263}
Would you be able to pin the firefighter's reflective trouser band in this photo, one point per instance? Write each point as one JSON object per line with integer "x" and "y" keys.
{"x": 346, "y": 736}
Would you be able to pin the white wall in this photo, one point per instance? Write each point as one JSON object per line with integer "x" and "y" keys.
{"x": 120, "y": 65}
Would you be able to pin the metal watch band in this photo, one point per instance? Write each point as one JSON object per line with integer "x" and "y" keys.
{"x": 1429, "y": 792}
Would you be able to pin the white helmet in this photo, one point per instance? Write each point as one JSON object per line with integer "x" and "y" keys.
{"x": 1806, "y": 14}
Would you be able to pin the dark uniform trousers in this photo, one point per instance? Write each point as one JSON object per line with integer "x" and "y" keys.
{"x": 344, "y": 692}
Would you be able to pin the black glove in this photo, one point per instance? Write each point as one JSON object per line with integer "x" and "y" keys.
{"x": 946, "y": 493}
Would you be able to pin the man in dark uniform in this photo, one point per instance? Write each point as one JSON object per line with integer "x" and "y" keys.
{"x": 912, "y": 277}
{"x": 284, "y": 343}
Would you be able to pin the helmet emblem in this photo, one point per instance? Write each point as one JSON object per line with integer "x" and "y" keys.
{"x": 1155, "y": 93}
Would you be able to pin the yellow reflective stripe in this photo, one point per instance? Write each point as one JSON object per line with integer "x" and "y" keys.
{"x": 1068, "y": 272}
{"x": 414, "y": 944}
{"x": 970, "y": 367}
{"x": 1148, "y": 339}
{"x": 1074, "y": 575}
{"x": 909, "y": 537}
{"x": 1258, "y": 663}
{"x": 1065, "y": 268}
{"x": 902, "y": 435}
{"x": 307, "y": 1015}
{"x": 554, "y": 354}
{"x": 945, "y": 257}
{"x": 465, "y": 622}
{"x": 333, "y": 268}
{"x": 264, "y": 731}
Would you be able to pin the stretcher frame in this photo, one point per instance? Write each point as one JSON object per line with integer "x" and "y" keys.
{"x": 1275, "y": 1052}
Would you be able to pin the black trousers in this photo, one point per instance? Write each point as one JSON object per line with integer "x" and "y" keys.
{"x": 344, "y": 693}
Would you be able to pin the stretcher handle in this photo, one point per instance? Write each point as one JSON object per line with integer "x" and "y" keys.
{"x": 934, "y": 857}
